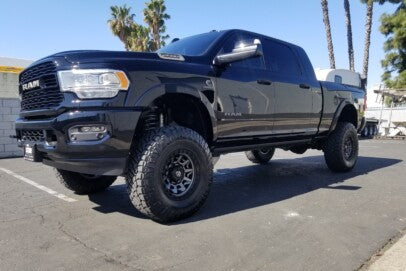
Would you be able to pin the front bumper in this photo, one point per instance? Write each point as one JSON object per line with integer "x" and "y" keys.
{"x": 107, "y": 156}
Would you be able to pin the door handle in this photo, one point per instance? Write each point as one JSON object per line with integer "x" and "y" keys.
{"x": 305, "y": 86}
{"x": 264, "y": 82}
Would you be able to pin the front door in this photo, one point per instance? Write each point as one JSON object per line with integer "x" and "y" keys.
{"x": 245, "y": 94}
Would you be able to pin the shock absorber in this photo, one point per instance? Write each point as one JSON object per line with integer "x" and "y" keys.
{"x": 151, "y": 119}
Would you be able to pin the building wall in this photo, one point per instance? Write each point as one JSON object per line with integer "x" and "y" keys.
{"x": 398, "y": 114}
{"x": 8, "y": 85}
{"x": 9, "y": 104}
{"x": 9, "y": 110}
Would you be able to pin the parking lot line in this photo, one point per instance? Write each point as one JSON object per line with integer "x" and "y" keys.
{"x": 39, "y": 186}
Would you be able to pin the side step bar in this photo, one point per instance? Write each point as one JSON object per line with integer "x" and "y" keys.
{"x": 226, "y": 148}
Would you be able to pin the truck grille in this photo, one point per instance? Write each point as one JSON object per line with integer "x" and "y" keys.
{"x": 45, "y": 97}
{"x": 33, "y": 135}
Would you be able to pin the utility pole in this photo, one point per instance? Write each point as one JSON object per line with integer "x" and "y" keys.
{"x": 383, "y": 102}
{"x": 390, "y": 115}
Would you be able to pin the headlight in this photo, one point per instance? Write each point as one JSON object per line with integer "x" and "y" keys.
{"x": 90, "y": 84}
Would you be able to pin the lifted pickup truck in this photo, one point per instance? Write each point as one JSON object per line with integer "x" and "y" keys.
{"x": 160, "y": 119}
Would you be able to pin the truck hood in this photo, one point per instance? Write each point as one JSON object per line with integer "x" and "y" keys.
{"x": 94, "y": 56}
{"x": 83, "y": 56}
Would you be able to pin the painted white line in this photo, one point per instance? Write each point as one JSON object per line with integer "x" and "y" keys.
{"x": 39, "y": 186}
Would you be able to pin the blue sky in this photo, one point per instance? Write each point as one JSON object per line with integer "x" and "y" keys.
{"x": 34, "y": 29}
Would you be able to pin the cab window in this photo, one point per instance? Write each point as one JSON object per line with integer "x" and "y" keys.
{"x": 280, "y": 58}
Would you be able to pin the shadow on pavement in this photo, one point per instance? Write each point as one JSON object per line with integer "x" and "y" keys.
{"x": 238, "y": 189}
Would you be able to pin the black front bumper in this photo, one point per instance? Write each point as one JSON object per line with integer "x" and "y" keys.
{"x": 107, "y": 156}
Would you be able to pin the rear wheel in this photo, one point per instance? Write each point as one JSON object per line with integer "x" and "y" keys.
{"x": 260, "y": 156}
{"x": 169, "y": 173}
{"x": 84, "y": 183}
{"x": 341, "y": 150}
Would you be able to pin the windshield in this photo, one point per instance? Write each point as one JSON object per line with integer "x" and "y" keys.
{"x": 191, "y": 46}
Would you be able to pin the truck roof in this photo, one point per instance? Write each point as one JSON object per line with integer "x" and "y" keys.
{"x": 258, "y": 34}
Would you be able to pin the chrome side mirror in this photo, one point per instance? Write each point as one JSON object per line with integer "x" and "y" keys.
{"x": 241, "y": 52}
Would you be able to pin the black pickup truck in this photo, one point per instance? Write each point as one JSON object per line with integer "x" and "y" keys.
{"x": 161, "y": 119}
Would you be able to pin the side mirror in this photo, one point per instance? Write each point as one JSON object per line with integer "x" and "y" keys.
{"x": 240, "y": 53}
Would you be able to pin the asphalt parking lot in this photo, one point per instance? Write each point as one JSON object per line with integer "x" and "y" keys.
{"x": 293, "y": 214}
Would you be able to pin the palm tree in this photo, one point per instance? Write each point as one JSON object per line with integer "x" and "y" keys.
{"x": 155, "y": 16}
{"x": 349, "y": 34}
{"x": 367, "y": 42}
{"x": 368, "y": 27}
{"x": 139, "y": 38}
{"x": 120, "y": 22}
{"x": 326, "y": 20}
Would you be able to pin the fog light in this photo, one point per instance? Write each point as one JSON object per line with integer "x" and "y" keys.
{"x": 92, "y": 129}
{"x": 87, "y": 133}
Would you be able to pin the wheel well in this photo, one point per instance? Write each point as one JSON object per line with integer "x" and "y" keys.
{"x": 182, "y": 109}
{"x": 349, "y": 114}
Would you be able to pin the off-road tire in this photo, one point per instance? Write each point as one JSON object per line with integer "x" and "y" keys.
{"x": 334, "y": 151}
{"x": 146, "y": 171}
{"x": 259, "y": 156}
{"x": 84, "y": 184}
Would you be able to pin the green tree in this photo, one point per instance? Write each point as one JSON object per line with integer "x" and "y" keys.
{"x": 393, "y": 26}
{"x": 120, "y": 23}
{"x": 139, "y": 39}
{"x": 349, "y": 34}
{"x": 326, "y": 20}
{"x": 136, "y": 37}
{"x": 155, "y": 16}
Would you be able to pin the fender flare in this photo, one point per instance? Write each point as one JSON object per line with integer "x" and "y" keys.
{"x": 338, "y": 112}
{"x": 171, "y": 88}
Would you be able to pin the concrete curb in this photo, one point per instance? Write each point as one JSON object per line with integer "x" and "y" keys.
{"x": 392, "y": 257}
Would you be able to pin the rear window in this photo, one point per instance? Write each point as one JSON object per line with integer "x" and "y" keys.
{"x": 280, "y": 58}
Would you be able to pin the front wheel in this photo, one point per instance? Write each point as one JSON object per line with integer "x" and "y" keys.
{"x": 341, "y": 150}
{"x": 84, "y": 183}
{"x": 169, "y": 173}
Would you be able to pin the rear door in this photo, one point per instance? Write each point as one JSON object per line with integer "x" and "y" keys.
{"x": 293, "y": 96}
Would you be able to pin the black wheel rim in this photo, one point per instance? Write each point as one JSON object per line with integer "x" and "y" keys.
{"x": 348, "y": 148}
{"x": 179, "y": 174}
